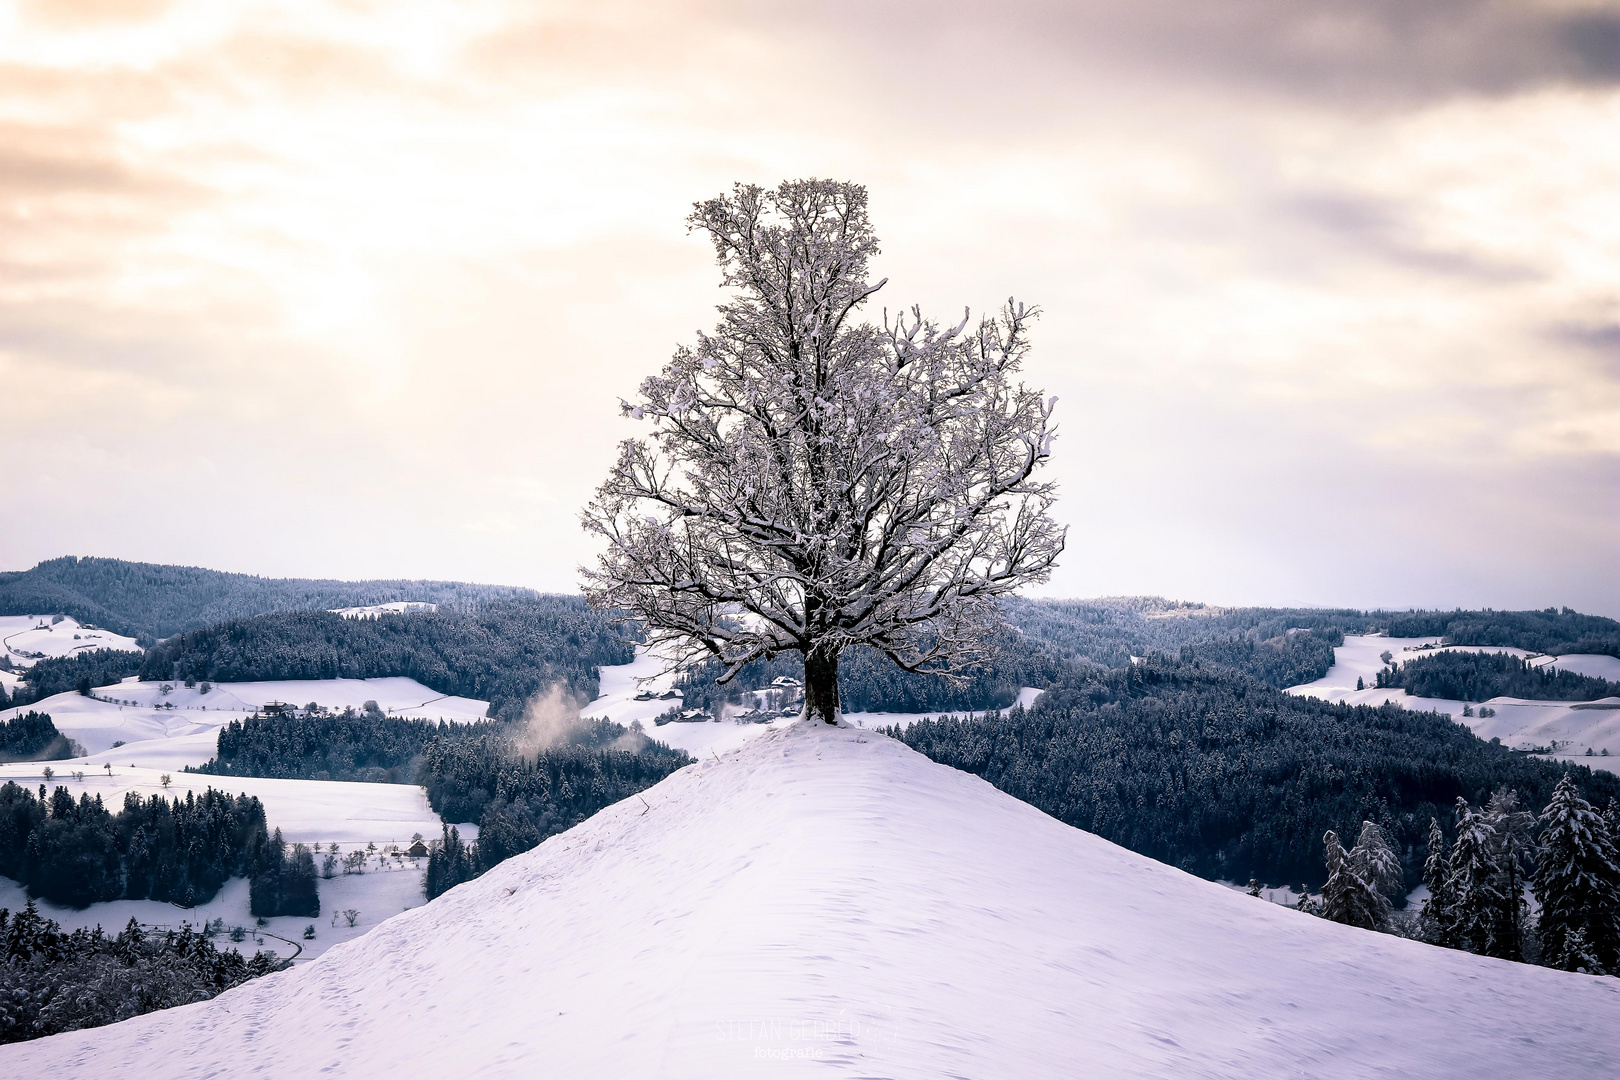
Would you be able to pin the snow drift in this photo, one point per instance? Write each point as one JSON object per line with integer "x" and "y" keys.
{"x": 828, "y": 901}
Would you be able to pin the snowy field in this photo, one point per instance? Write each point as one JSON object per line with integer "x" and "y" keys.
{"x": 1518, "y": 723}
{"x": 322, "y": 812}
{"x": 372, "y": 611}
{"x": 27, "y": 638}
{"x": 306, "y": 811}
{"x": 1598, "y": 667}
{"x": 617, "y": 702}
{"x": 375, "y": 896}
{"x": 828, "y": 902}
{"x": 140, "y": 714}
{"x": 162, "y": 740}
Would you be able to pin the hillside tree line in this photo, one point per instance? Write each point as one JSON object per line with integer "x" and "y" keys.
{"x": 52, "y": 981}
{"x": 1227, "y": 778}
{"x": 180, "y": 851}
{"x": 1480, "y": 676}
{"x": 506, "y": 653}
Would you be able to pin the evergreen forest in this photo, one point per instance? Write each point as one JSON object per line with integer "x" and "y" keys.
{"x": 505, "y": 653}
{"x": 31, "y": 736}
{"x": 1480, "y": 676}
{"x": 1227, "y": 778}
{"x": 52, "y": 981}
{"x": 181, "y": 851}
{"x": 149, "y": 601}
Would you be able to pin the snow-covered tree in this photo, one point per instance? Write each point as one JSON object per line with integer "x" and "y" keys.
{"x": 1577, "y": 882}
{"x": 1375, "y": 860}
{"x": 1437, "y": 909}
{"x": 1481, "y": 911}
{"x": 1512, "y": 828}
{"x": 1347, "y": 897}
{"x": 814, "y": 482}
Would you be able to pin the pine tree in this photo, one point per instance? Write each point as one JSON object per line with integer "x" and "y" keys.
{"x": 1347, "y": 897}
{"x": 450, "y": 863}
{"x": 1481, "y": 911}
{"x": 1577, "y": 882}
{"x": 1576, "y": 955}
{"x": 1437, "y": 914}
{"x": 1511, "y": 827}
{"x": 264, "y": 889}
{"x": 1375, "y": 860}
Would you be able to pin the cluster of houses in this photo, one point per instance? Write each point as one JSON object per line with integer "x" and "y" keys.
{"x": 781, "y": 698}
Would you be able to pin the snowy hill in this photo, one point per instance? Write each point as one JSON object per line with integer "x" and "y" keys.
{"x": 25, "y": 639}
{"x": 179, "y": 728}
{"x": 828, "y": 901}
{"x": 1518, "y": 723}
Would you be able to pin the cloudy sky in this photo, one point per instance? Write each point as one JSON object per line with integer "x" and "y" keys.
{"x": 351, "y": 289}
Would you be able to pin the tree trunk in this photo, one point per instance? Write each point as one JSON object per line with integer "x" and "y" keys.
{"x": 821, "y": 687}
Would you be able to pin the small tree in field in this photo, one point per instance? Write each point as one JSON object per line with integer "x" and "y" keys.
{"x": 813, "y": 482}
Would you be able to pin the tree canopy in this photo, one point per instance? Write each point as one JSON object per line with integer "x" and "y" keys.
{"x": 814, "y": 482}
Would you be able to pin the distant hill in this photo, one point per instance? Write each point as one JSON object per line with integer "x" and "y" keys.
{"x": 1554, "y": 630}
{"x": 504, "y": 653}
{"x": 151, "y": 600}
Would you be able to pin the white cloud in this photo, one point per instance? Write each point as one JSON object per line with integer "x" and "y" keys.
{"x": 384, "y": 270}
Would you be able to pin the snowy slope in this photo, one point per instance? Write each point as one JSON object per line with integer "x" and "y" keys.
{"x": 26, "y": 638}
{"x": 140, "y": 714}
{"x": 161, "y": 740}
{"x": 306, "y": 811}
{"x": 372, "y": 611}
{"x": 1518, "y": 723}
{"x": 621, "y": 683}
{"x": 1598, "y": 667}
{"x": 829, "y": 902}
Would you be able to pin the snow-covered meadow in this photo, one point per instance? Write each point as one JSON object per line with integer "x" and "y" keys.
{"x": 384, "y": 890}
{"x": 25, "y": 639}
{"x": 395, "y": 607}
{"x": 148, "y": 719}
{"x": 826, "y": 901}
{"x": 162, "y": 733}
{"x": 1518, "y": 723}
{"x": 617, "y": 702}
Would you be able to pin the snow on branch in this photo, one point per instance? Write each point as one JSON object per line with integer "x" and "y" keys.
{"x": 811, "y": 482}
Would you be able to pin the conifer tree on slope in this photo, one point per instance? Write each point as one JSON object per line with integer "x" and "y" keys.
{"x": 1346, "y": 897}
{"x": 1481, "y": 917}
{"x": 1577, "y": 882}
{"x": 1375, "y": 860}
{"x": 813, "y": 483}
{"x": 1437, "y": 909}
{"x": 1515, "y": 848}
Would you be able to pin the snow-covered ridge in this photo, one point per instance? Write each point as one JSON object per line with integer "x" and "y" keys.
{"x": 828, "y": 901}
